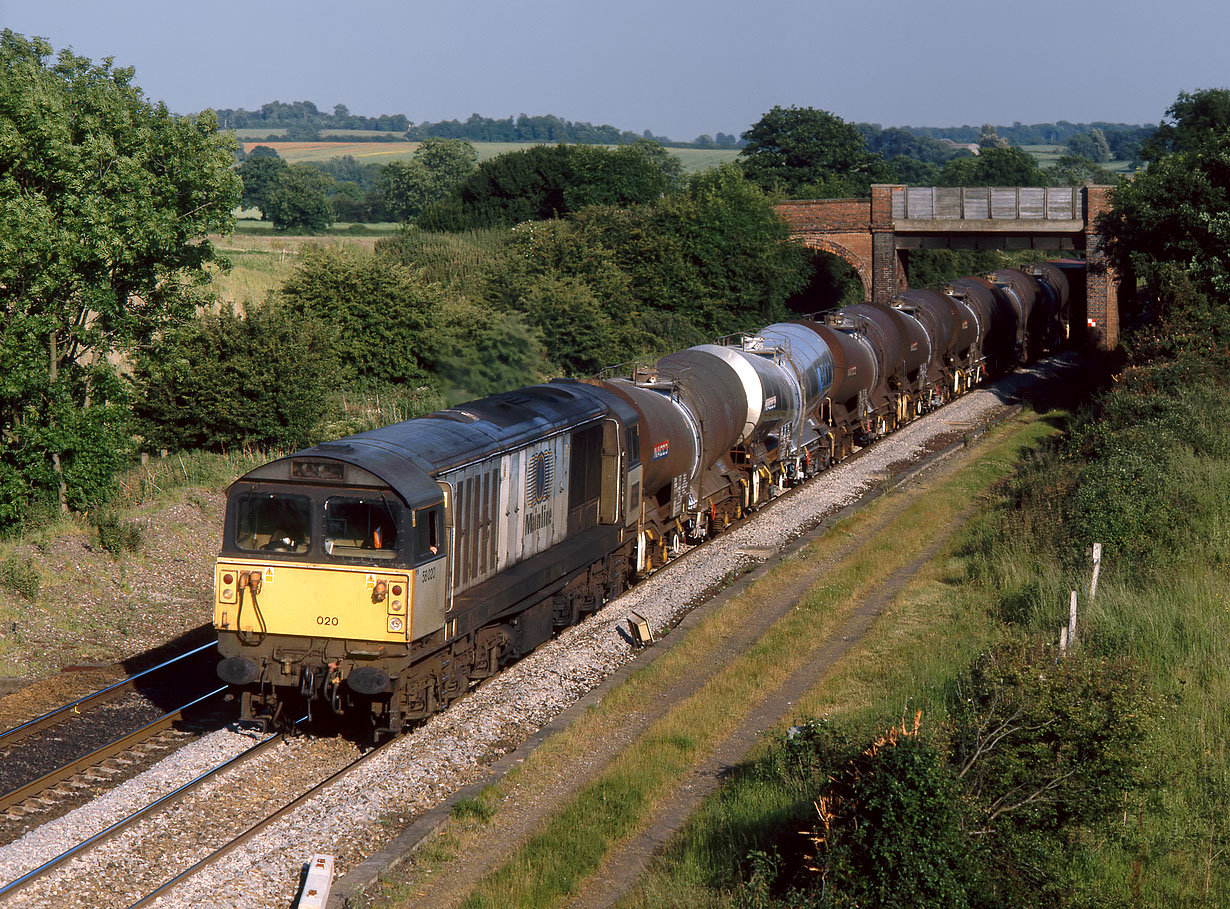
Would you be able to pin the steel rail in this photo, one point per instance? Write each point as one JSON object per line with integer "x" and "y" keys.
{"x": 97, "y": 756}
{"x": 170, "y": 798}
{"x": 256, "y": 828}
{"x": 17, "y": 733}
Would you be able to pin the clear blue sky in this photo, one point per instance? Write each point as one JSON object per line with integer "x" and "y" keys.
{"x": 676, "y": 67}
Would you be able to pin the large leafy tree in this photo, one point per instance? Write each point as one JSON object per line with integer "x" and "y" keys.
{"x": 260, "y": 175}
{"x": 437, "y": 167}
{"x": 299, "y": 200}
{"x": 550, "y": 181}
{"x": 107, "y": 200}
{"x": 1190, "y": 123}
{"x": 376, "y": 314}
{"x": 1172, "y": 216}
{"x": 993, "y": 167}
{"x": 808, "y": 153}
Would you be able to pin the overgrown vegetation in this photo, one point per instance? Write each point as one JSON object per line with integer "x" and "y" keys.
{"x": 1099, "y": 779}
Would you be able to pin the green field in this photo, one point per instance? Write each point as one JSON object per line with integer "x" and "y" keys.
{"x": 1048, "y": 155}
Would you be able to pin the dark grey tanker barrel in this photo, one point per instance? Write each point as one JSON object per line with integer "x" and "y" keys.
{"x": 668, "y": 446}
{"x": 917, "y": 341}
{"x": 1002, "y": 327}
{"x": 882, "y": 328}
{"x": 714, "y": 394}
{"x": 937, "y": 313}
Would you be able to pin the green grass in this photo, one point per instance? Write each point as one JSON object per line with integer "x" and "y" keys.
{"x": 1048, "y": 155}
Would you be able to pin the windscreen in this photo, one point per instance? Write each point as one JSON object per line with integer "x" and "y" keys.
{"x": 361, "y": 526}
{"x": 274, "y": 522}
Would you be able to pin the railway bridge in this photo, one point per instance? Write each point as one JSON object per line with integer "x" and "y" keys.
{"x": 876, "y": 236}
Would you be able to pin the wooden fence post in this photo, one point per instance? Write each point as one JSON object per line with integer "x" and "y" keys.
{"x": 1097, "y": 566}
{"x": 1072, "y": 620}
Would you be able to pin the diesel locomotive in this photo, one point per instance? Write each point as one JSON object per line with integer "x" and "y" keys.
{"x": 379, "y": 576}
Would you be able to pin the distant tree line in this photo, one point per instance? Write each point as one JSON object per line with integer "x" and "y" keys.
{"x": 551, "y": 129}
{"x": 793, "y": 152}
{"x": 304, "y": 117}
{"x": 303, "y": 120}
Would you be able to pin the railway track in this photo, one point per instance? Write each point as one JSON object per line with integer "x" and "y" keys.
{"x": 102, "y": 739}
{"x": 180, "y": 816}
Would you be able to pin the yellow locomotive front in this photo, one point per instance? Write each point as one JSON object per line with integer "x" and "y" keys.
{"x": 315, "y": 588}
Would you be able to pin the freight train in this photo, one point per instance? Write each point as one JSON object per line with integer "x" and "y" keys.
{"x": 381, "y": 575}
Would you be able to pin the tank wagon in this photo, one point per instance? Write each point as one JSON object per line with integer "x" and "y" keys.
{"x": 381, "y": 575}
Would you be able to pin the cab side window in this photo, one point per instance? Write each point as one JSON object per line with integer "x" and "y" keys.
{"x": 427, "y": 527}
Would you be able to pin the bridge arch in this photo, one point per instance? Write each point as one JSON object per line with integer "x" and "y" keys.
{"x": 845, "y": 252}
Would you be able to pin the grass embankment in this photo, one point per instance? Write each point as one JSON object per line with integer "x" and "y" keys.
{"x": 1149, "y": 475}
{"x": 913, "y": 648}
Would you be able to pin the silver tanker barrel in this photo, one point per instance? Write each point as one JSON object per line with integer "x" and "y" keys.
{"x": 810, "y": 358}
{"x": 769, "y": 388}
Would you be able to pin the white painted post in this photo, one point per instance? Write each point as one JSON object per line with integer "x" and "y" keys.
{"x": 1072, "y": 620}
{"x": 318, "y": 884}
{"x": 1063, "y": 641}
{"x": 1097, "y": 566}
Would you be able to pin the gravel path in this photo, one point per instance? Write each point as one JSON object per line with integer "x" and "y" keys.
{"x": 362, "y": 812}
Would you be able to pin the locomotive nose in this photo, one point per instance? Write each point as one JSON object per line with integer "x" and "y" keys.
{"x": 238, "y": 671}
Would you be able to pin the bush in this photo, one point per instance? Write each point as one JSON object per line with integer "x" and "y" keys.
{"x": 376, "y": 315}
{"x": 223, "y": 381}
{"x": 18, "y": 574}
{"x": 889, "y": 828}
{"x": 118, "y": 536}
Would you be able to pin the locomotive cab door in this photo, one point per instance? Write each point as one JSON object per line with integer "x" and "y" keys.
{"x": 612, "y": 474}
{"x": 432, "y": 590}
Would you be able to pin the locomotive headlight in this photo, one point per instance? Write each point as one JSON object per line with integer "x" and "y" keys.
{"x": 396, "y": 624}
{"x": 227, "y": 595}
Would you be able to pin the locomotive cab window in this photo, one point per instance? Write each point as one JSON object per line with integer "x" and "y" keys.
{"x": 361, "y": 527}
{"x": 427, "y": 527}
{"x": 274, "y": 522}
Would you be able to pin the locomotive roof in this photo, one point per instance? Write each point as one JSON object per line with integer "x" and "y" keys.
{"x": 407, "y": 455}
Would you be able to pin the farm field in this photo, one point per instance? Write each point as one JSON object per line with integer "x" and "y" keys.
{"x": 1048, "y": 155}
{"x": 693, "y": 159}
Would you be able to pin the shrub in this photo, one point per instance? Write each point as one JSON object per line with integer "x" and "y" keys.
{"x": 118, "y": 536}
{"x": 222, "y": 381}
{"x": 18, "y": 574}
